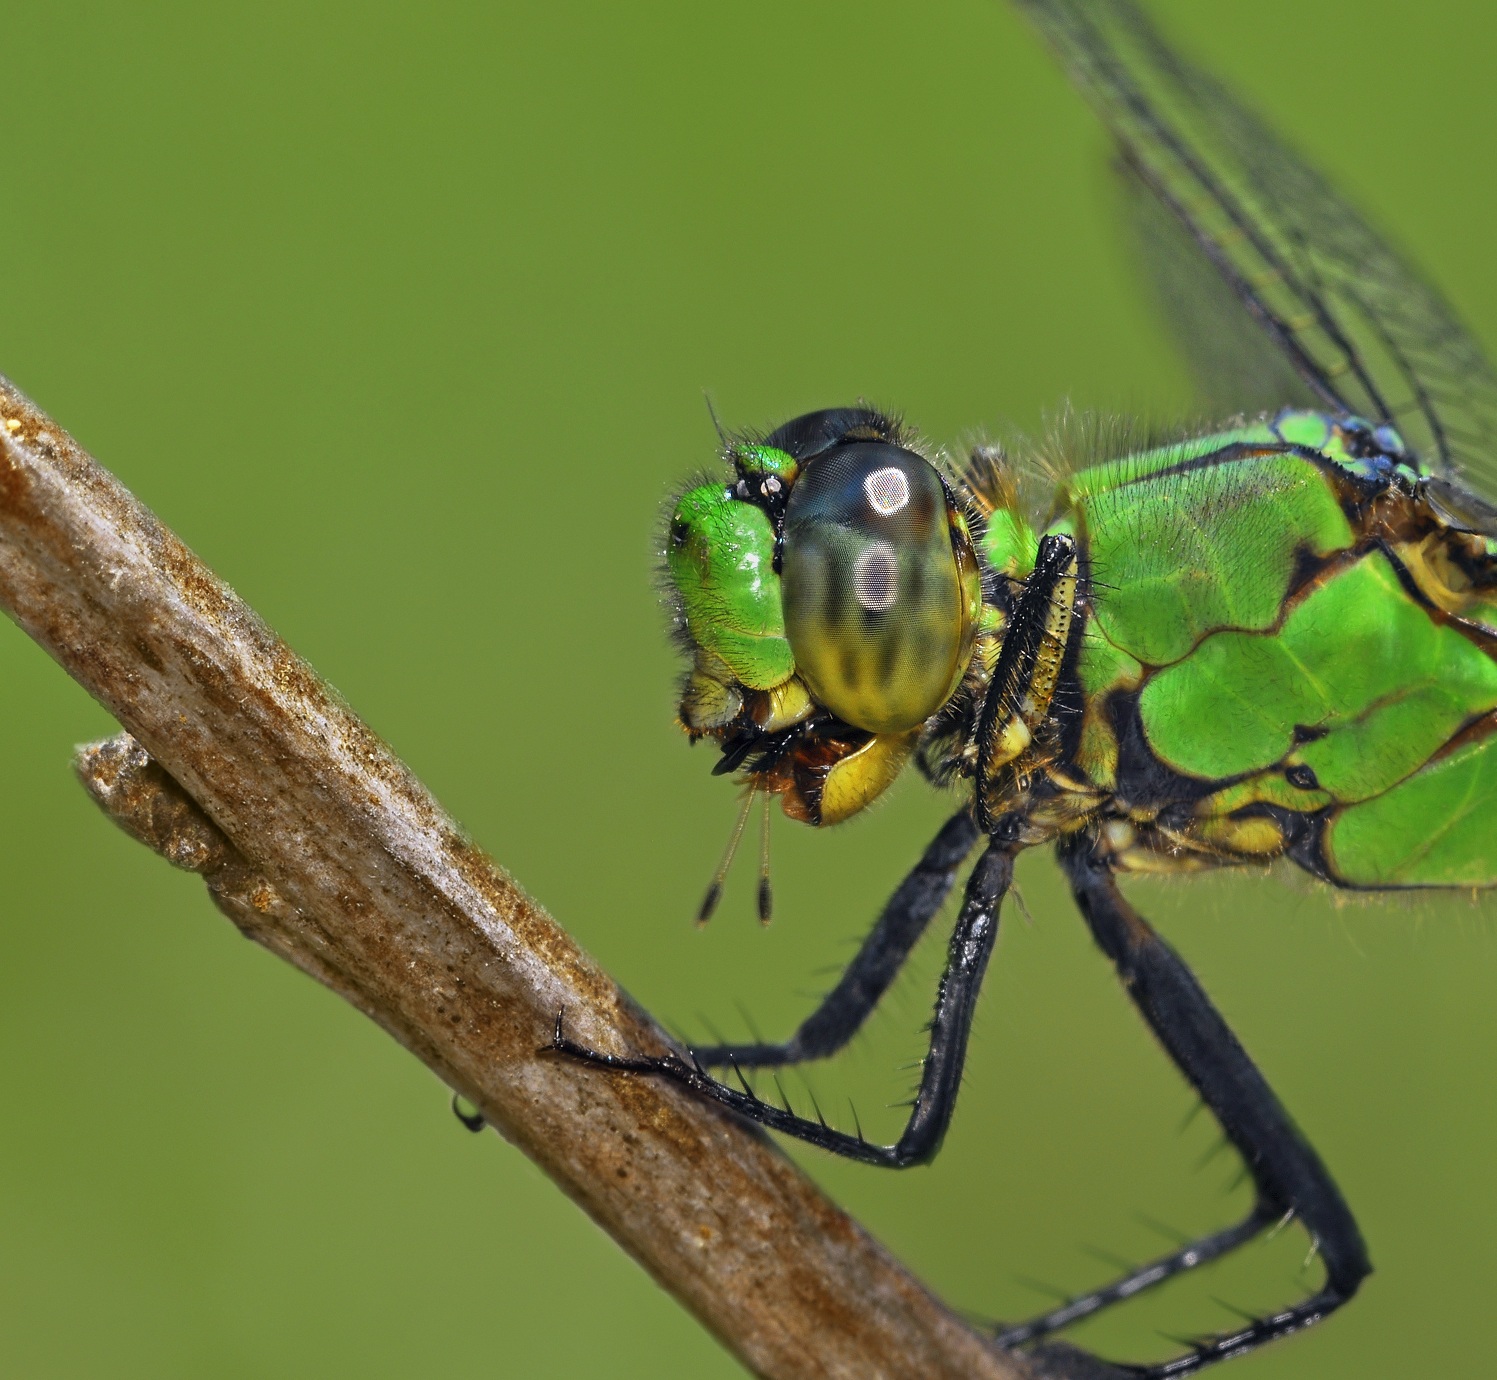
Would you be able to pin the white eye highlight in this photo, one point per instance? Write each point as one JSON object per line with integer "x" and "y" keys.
{"x": 875, "y": 573}
{"x": 888, "y": 491}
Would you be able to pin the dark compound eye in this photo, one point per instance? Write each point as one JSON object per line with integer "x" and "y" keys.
{"x": 879, "y": 598}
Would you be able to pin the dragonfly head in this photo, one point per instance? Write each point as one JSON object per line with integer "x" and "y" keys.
{"x": 829, "y": 596}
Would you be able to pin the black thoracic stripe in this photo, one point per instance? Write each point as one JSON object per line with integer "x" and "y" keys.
{"x": 1304, "y": 837}
{"x": 1228, "y": 454}
{"x": 1474, "y": 633}
{"x": 1023, "y": 646}
{"x": 1143, "y": 780}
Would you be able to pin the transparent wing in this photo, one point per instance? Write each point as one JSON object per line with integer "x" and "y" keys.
{"x": 1238, "y": 368}
{"x": 1363, "y": 332}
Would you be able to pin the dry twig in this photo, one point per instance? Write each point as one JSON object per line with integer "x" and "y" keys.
{"x": 318, "y": 843}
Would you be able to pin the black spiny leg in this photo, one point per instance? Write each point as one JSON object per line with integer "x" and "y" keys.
{"x": 967, "y": 961}
{"x": 883, "y": 953}
{"x": 1288, "y": 1174}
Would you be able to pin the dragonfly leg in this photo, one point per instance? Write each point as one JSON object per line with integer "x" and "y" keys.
{"x": 971, "y": 948}
{"x": 883, "y": 953}
{"x": 1288, "y": 1174}
{"x": 1144, "y": 1277}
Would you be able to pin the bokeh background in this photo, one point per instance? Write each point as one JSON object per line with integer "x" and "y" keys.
{"x": 402, "y": 317}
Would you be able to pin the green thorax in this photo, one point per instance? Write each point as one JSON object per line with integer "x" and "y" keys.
{"x": 1285, "y": 648}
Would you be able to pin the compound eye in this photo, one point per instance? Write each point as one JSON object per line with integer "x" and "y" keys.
{"x": 880, "y": 586}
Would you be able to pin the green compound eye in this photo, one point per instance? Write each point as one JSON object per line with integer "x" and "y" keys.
{"x": 881, "y": 591}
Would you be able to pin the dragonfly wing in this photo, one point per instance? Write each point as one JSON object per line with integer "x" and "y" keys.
{"x": 1237, "y": 367}
{"x": 1362, "y": 330}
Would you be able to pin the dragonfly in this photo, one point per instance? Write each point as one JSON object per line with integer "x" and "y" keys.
{"x": 1274, "y": 639}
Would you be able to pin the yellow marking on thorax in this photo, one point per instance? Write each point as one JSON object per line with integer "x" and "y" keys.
{"x": 1031, "y": 701}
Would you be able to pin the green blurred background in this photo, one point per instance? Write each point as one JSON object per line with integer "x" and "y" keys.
{"x": 402, "y": 318}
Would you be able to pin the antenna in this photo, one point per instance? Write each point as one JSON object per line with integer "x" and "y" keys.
{"x": 766, "y": 892}
{"x": 717, "y": 426}
{"x": 715, "y": 890}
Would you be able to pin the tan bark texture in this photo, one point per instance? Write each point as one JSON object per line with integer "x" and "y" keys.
{"x": 241, "y": 764}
